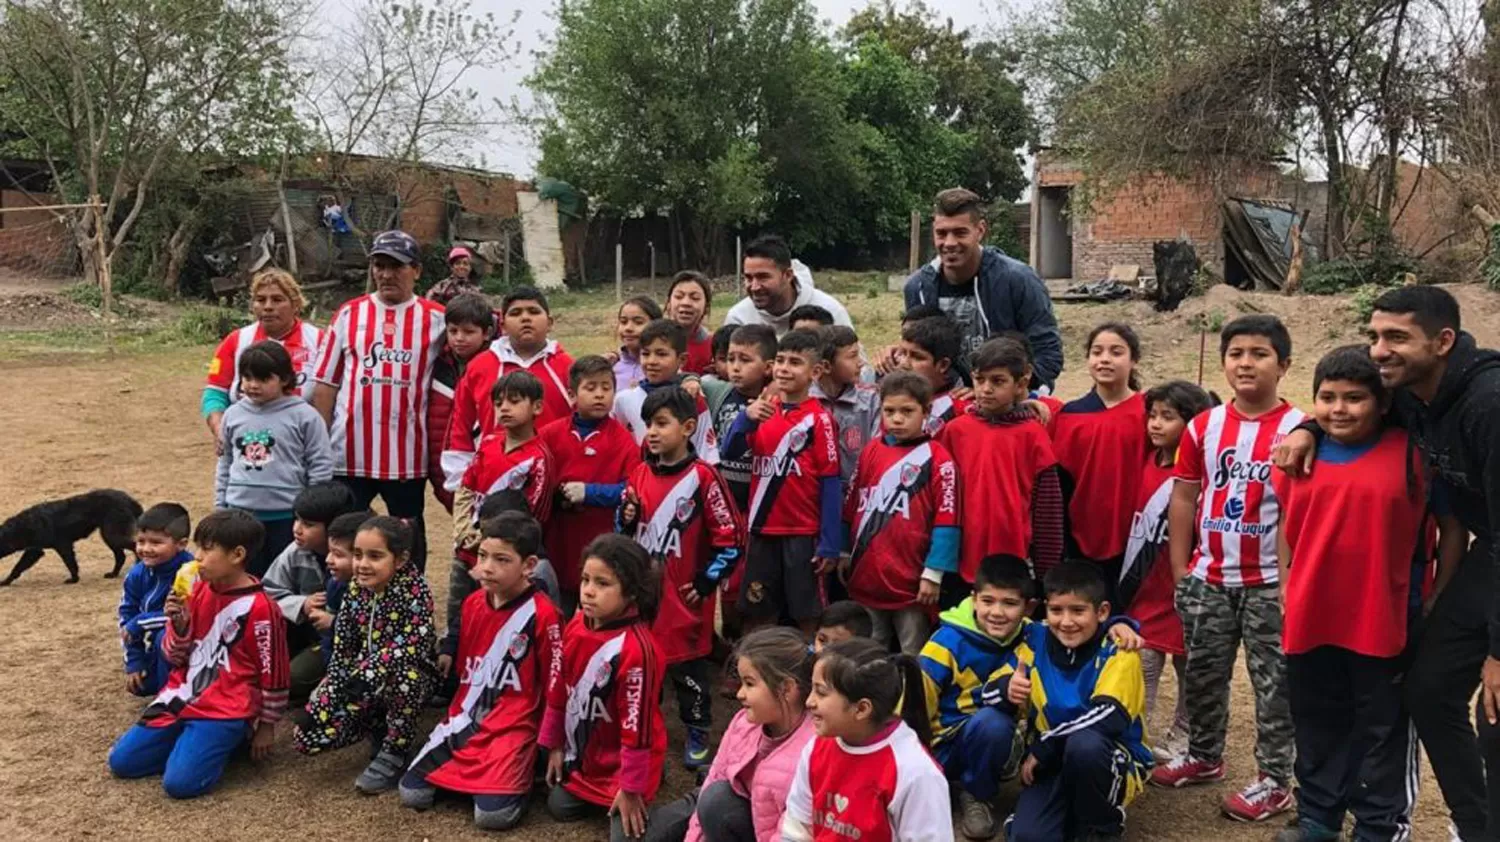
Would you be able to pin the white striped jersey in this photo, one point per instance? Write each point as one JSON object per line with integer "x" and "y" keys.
{"x": 301, "y": 343}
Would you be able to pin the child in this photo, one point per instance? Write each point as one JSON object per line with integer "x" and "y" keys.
{"x": 903, "y": 514}
{"x": 384, "y": 659}
{"x": 663, "y": 346}
{"x": 510, "y": 643}
{"x": 229, "y": 669}
{"x": 809, "y": 316}
{"x": 273, "y": 445}
{"x": 796, "y": 497}
{"x": 1100, "y": 440}
{"x": 676, "y": 507}
{"x": 855, "y": 405}
{"x": 688, "y": 301}
{"x": 298, "y": 578}
{"x": 1344, "y": 670}
{"x": 341, "y": 534}
{"x": 523, "y": 347}
{"x": 1223, "y": 498}
{"x": 1085, "y": 698}
{"x": 1006, "y": 467}
{"x": 721, "y": 341}
{"x": 752, "y": 351}
{"x": 603, "y": 731}
{"x": 867, "y": 775}
{"x": 1146, "y": 586}
{"x": 744, "y": 795}
{"x": 592, "y": 456}
{"x": 161, "y": 547}
{"x": 469, "y": 324}
{"x": 930, "y": 347}
{"x": 631, "y": 319}
{"x": 840, "y": 621}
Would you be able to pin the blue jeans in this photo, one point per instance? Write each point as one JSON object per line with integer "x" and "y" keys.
{"x": 189, "y": 754}
{"x": 975, "y": 757}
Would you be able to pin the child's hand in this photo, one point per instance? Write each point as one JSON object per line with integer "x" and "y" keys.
{"x": 823, "y": 564}
{"x": 555, "y": 767}
{"x": 573, "y": 493}
{"x": 1125, "y": 638}
{"x": 927, "y": 592}
{"x": 1019, "y": 691}
{"x": 612, "y": 356}
{"x": 692, "y": 387}
{"x": 445, "y": 665}
{"x": 763, "y": 408}
{"x": 961, "y": 393}
{"x": 689, "y": 595}
{"x": 134, "y": 681}
{"x": 315, "y": 602}
{"x": 846, "y": 566}
{"x": 630, "y": 511}
{"x": 1038, "y": 409}
{"x": 261, "y": 742}
{"x": 320, "y": 619}
{"x": 124, "y": 635}
{"x": 176, "y": 613}
{"x": 1028, "y": 770}
{"x": 632, "y": 810}
{"x": 888, "y": 361}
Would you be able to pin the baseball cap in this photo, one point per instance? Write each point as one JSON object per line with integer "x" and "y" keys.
{"x": 399, "y": 245}
{"x": 459, "y": 251}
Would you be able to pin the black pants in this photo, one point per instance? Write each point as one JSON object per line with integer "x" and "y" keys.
{"x": 1449, "y": 653}
{"x": 403, "y": 498}
{"x": 278, "y": 536}
{"x": 691, "y": 681}
{"x": 1085, "y": 795}
{"x": 1355, "y": 751}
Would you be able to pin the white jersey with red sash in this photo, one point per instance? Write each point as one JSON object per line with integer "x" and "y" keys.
{"x": 301, "y": 343}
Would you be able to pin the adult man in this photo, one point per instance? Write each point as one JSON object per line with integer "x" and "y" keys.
{"x": 982, "y": 289}
{"x": 1447, "y": 395}
{"x": 373, "y": 375}
{"x": 775, "y": 285}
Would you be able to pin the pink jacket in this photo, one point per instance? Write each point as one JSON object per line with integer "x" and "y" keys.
{"x": 771, "y": 781}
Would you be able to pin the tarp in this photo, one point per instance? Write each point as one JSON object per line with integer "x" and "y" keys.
{"x": 1258, "y": 233}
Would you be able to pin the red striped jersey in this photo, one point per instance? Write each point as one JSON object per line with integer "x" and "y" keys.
{"x": 686, "y": 515}
{"x": 627, "y": 411}
{"x": 608, "y": 705}
{"x": 885, "y": 790}
{"x": 605, "y": 456}
{"x": 945, "y": 408}
{"x": 998, "y": 464}
{"x": 474, "y": 409}
{"x": 381, "y": 359}
{"x": 1099, "y": 450}
{"x": 899, "y": 494}
{"x": 507, "y": 658}
{"x": 301, "y": 343}
{"x": 236, "y": 665}
{"x": 1146, "y": 587}
{"x": 1229, "y": 456}
{"x": 790, "y": 455}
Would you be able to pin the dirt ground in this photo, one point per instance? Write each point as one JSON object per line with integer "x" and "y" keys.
{"x": 81, "y": 421}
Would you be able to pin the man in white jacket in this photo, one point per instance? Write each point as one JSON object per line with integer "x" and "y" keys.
{"x": 775, "y": 284}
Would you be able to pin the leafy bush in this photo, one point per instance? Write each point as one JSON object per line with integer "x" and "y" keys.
{"x": 1332, "y": 277}
{"x": 1362, "y": 302}
{"x": 1490, "y": 270}
{"x": 203, "y": 325}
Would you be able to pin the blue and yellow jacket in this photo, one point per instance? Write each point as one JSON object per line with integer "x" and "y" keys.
{"x": 957, "y": 662}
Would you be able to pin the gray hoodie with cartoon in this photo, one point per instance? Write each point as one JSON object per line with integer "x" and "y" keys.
{"x": 270, "y": 453}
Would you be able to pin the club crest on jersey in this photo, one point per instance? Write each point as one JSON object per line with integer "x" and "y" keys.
{"x": 909, "y": 474}
{"x": 685, "y": 509}
{"x": 603, "y": 674}
{"x": 796, "y": 439}
{"x": 1231, "y": 469}
{"x": 518, "y": 645}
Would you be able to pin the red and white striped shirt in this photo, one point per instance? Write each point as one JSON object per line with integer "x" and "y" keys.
{"x": 1229, "y": 456}
{"x": 381, "y": 358}
{"x": 301, "y": 343}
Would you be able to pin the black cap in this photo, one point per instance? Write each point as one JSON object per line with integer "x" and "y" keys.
{"x": 398, "y": 245}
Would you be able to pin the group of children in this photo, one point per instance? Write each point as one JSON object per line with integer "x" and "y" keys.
{"x": 1019, "y": 572}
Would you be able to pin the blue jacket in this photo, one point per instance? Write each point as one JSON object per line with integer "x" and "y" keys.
{"x": 141, "y": 607}
{"x": 956, "y": 664}
{"x": 1010, "y": 297}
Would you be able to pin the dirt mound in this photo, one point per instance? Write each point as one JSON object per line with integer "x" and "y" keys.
{"x": 42, "y": 311}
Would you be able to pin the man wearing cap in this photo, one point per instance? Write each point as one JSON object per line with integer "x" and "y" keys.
{"x": 373, "y": 374}
{"x": 461, "y": 278}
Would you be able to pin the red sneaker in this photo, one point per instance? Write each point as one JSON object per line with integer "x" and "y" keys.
{"x": 1260, "y": 800}
{"x": 1186, "y": 770}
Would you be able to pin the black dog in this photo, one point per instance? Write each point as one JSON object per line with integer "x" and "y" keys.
{"x": 61, "y": 523}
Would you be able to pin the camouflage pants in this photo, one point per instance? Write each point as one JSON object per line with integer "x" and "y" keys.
{"x": 1215, "y": 620}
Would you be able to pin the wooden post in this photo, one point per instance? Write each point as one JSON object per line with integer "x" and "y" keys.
{"x": 652, "y": 246}
{"x": 916, "y": 242}
{"x": 106, "y": 282}
{"x": 619, "y": 272}
{"x": 739, "y": 265}
{"x": 505, "y": 262}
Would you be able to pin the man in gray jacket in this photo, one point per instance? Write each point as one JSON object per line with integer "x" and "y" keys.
{"x": 986, "y": 292}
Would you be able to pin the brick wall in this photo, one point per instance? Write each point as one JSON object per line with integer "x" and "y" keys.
{"x": 34, "y": 242}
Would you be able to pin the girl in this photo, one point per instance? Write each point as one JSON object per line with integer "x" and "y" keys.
{"x": 745, "y": 792}
{"x": 1146, "y": 586}
{"x": 1100, "y": 440}
{"x": 633, "y": 317}
{"x": 868, "y": 774}
{"x": 384, "y": 663}
{"x": 688, "y": 302}
{"x": 272, "y": 444}
{"x": 603, "y": 728}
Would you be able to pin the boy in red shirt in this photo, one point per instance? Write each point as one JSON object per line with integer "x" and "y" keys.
{"x": 1006, "y": 469}
{"x": 469, "y": 323}
{"x": 796, "y": 498}
{"x": 1344, "y": 667}
{"x": 903, "y": 516}
{"x": 230, "y": 676}
{"x": 664, "y": 346}
{"x": 523, "y": 346}
{"x": 931, "y": 347}
{"x": 592, "y": 456}
{"x": 679, "y": 509}
{"x": 1223, "y": 502}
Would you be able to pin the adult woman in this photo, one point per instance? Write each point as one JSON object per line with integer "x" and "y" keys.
{"x": 276, "y": 302}
{"x": 461, "y": 278}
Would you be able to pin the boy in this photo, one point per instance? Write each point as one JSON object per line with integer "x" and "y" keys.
{"x": 593, "y": 454}
{"x": 1006, "y": 468}
{"x": 1230, "y": 593}
{"x": 721, "y": 341}
{"x": 229, "y": 675}
{"x": 809, "y": 316}
{"x": 523, "y": 347}
{"x": 931, "y": 347}
{"x": 795, "y": 496}
{"x": 298, "y": 577}
{"x": 341, "y": 533}
{"x": 677, "y": 507}
{"x": 1344, "y": 673}
{"x": 469, "y": 323}
{"x": 841, "y": 621}
{"x": 903, "y": 514}
{"x": 510, "y": 643}
{"x": 161, "y": 546}
{"x": 752, "y": 350}
{"x": 663, "y": 349}
{"x": 855, "y": 405}
{"x": 972, "y": 737}
{"x": 1085, "y": 698}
